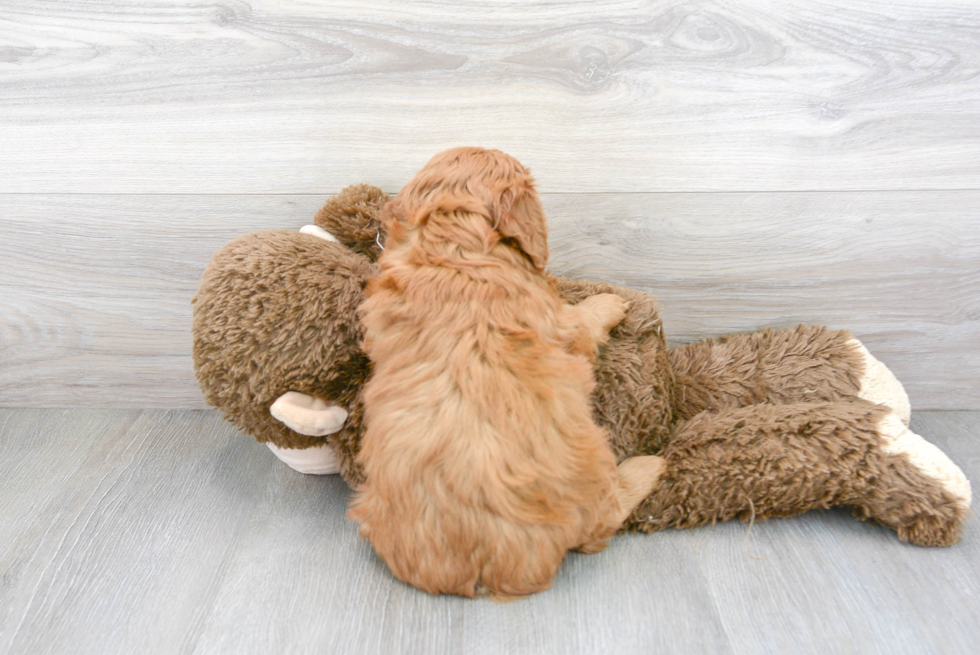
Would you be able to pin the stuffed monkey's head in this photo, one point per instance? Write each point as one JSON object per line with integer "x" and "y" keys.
{"x": 353, "y": 216}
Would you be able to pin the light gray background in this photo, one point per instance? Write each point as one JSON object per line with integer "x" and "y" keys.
{"x": 750, "y": 163}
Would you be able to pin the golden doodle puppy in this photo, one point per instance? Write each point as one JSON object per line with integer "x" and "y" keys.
{"x": 483, "y": 465}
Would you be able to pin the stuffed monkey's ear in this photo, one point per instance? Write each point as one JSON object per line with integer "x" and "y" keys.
{"x": 307, "y": 414}
{"x": 521, "y": 219}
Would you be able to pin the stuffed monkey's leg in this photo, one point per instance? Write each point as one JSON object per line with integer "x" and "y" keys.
{"x": 781, "y": 460}
{"x": 801, "y": 364}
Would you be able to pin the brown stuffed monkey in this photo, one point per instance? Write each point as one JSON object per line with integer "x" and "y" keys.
{"x": 770, "y": 423}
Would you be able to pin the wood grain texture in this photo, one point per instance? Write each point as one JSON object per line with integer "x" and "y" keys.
{"x": 304, "y": 562}
{"x": 43, "y": 445}
{"x": 290, "y": 96}
{"x": 129, "y": 553}
{"x": 900, "y": 270}
{"x": 95, "y": 290}
{"x": 95, "y": 303}
{"x": 872, "y": 594}
{"x": 169, "y": 532}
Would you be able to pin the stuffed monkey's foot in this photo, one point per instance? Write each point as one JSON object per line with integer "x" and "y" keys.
{"x": 318, "y": 460}
{"x": 880, "y": 386}
{"x": 925, "y": 456}
{"x": 922, "y": 513}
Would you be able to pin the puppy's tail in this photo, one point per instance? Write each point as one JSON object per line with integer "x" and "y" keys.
{"x": 636, "y": 478}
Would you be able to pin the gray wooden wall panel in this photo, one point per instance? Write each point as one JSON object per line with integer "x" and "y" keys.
{"x": 297, "y": 97}
{"x": 95, "y": 302}
{"x": 95, "y": 290}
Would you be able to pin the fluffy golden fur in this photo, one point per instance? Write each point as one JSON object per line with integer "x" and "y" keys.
{"x": 749, "y": 425}
{"x": 483, "y": 465}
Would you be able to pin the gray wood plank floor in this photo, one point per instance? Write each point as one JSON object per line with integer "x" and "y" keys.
{"x": 127, "y": 531}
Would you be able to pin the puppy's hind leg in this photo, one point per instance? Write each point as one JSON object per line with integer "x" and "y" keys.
{"x": 636, "y": 478}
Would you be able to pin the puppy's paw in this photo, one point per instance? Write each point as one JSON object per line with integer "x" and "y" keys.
{"x": 593, "y": 547}
{"x": 608, "y": 309}
{"x": 637, "y": 477}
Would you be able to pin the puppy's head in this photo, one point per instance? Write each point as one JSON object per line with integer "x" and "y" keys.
{"x": 472, "y": 198}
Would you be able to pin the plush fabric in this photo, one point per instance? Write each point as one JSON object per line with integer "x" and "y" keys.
{"x": 771, "y": 423}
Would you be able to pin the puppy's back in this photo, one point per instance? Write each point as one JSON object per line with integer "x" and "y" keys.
{"x": 482, "y": 461}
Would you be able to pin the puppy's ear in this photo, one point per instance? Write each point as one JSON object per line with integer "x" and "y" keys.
{"x": 520, "y": 218}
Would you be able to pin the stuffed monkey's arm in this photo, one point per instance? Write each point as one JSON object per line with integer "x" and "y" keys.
{"x": 782, "y": 460}
{"x": 801, "y": 364}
